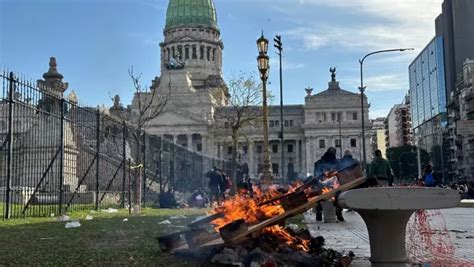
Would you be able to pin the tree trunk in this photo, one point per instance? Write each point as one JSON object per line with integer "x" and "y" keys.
{"x": 138, "y": 176}
{"x": 233, "y": 175}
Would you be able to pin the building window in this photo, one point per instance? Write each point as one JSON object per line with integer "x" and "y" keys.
{"x": 259, "y": 149}
{"x": 339, "y": 116}
{"x": 353, "y": 143}
{"x": 226, "y": 125}
{"x": 275, "y": 148}
{"x": 275, "y": 168}
{"x": 186, "y": 52}
{"x": 180, "y": 52}
{"x": 322, "y": 144}
{"x": 229, "y": 150}
{"x": 333, "y": 116}
{"x": 245, "y": 149}
{"x": 337, "y": 143}
{"x": 201, "y": 52}
{"x": 277, "y": 123}
{"x": 290, "y": 148}
{"x": 289, "y": 123}
{"x": 199, "y": 147}
{"x": 272, "y": 123}
{"x": 325, "y": 118}
{"x": 354, "y": 116}
{"x": 208, "y": 53}
{"x": 194, "y": 54}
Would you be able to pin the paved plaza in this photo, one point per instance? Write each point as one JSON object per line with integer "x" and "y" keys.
{"x": 352, "y": 235}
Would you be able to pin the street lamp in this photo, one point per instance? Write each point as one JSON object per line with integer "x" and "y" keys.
{"x": 279, "y": 46}
{"x": 362, "y": 89}
{"x": 263, "y": 67}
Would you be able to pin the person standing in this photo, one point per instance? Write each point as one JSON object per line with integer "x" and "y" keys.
{"x": 380, "y": 172}
{"x": 429, "y": 178}
{"x": 328, "y": 163}
{"x": 215, "y": 182}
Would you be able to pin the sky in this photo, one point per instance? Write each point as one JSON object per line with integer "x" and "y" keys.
{"x": 96, "y": 42}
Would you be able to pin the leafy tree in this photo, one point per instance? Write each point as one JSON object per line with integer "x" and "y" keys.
{"x": 406, "y": 157}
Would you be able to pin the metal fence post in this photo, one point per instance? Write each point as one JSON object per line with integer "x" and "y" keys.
{"x": 144, "y": 170}
{"x": 130, "y": 186}
{"x": 160, "y": 164}
{"x": 61, "y": 161}
{"x": 6, "y": 214}
{"x": 124, "y": 167}
{"x": 97, "y": 161}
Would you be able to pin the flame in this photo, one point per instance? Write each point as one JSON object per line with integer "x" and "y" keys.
{"x": 246, "y": 206}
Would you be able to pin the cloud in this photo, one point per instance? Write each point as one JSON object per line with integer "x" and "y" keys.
{"x": 286, "y": 65}
{"x": 380, "y": 83}
{"x": 401, "y": 23}
{"x": 376, "y": 113}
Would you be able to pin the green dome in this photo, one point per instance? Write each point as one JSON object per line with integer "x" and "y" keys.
{"x": 191, "y": 13}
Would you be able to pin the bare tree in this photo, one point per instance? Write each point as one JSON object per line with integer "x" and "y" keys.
{"x": 243, "y": 110}
{"x": 147, "y": 104}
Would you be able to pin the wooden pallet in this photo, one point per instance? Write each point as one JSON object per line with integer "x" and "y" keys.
{"x": 312, "y": 202}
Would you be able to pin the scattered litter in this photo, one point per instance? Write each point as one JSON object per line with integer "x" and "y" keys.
{"x": 458, "y": 231}
{"x": 165, "y": 222}
{"x": 110, "y": 210}
{"x": 63, "y": 218}
{"x": 293, "y": 227}
{"x": 73, "y": 224}
{"x": 178, "y": 217}
{"x": 88, "y": 218}
{"x": 125, "y": 220}
{"x": 199, "y": 218}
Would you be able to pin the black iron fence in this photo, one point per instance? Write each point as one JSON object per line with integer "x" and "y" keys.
{"x": 57, "y": 156}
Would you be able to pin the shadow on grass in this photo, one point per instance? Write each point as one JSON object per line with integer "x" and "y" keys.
{"x": 105, "y": 240}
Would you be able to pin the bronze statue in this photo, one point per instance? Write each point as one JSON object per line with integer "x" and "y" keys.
{"x": 333, "y": 74}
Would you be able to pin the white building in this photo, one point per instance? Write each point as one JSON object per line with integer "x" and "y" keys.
{"x": 191, "y": 64}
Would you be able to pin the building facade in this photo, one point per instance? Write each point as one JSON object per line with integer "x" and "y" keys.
{"x": 428, "y": 101}
{"x": 191, "y": 79}
{"x": 378, "y": 135}
{"x": 461, "y": 113}
{"x": 454, "y": 24}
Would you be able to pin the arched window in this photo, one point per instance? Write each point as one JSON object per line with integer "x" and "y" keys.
{"x": 186, "y": 52}
{"x": 208, "y": 53}
{"x": 213, "y": 54}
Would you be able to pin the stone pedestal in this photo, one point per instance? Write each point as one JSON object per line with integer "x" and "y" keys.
{"x": 386, "y": 212}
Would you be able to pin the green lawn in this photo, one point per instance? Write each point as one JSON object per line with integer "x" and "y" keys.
{"x": 105, "y": 240}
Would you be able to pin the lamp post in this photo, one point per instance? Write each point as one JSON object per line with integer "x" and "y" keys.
{"x": 264, "y": 68}
{"x": 279, "y": 46}
{"x": 362, "y": 89}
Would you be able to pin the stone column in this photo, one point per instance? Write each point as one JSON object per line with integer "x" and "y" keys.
{"x": 251, "y": 162}
{"x": 297, "y": 162}
{"x": 308, "y": 155}
{"x": 189, "y": 142}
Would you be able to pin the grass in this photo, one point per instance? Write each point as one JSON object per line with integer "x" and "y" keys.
{"x": 105, "y": 240}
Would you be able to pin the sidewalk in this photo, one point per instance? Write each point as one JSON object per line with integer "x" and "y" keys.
{"x": 351, "y": 235}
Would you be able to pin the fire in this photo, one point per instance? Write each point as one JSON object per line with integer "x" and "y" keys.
{"x": 283, "y": 235}
{"x": 243, "y": 206}
{"x": 246, "y": 206}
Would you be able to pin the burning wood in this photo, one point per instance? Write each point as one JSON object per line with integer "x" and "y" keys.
{"x": 244, "y": 222}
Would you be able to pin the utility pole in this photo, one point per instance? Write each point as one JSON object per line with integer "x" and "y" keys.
{"x": 279, "y": 46}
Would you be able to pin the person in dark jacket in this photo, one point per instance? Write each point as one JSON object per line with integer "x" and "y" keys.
{"x": 380, "y": 171}
{"x": 215, "y": 183}
{"x": 327, "y": 163}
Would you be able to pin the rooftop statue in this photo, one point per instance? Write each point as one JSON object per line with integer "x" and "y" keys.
{"x": 333, "y": 74}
